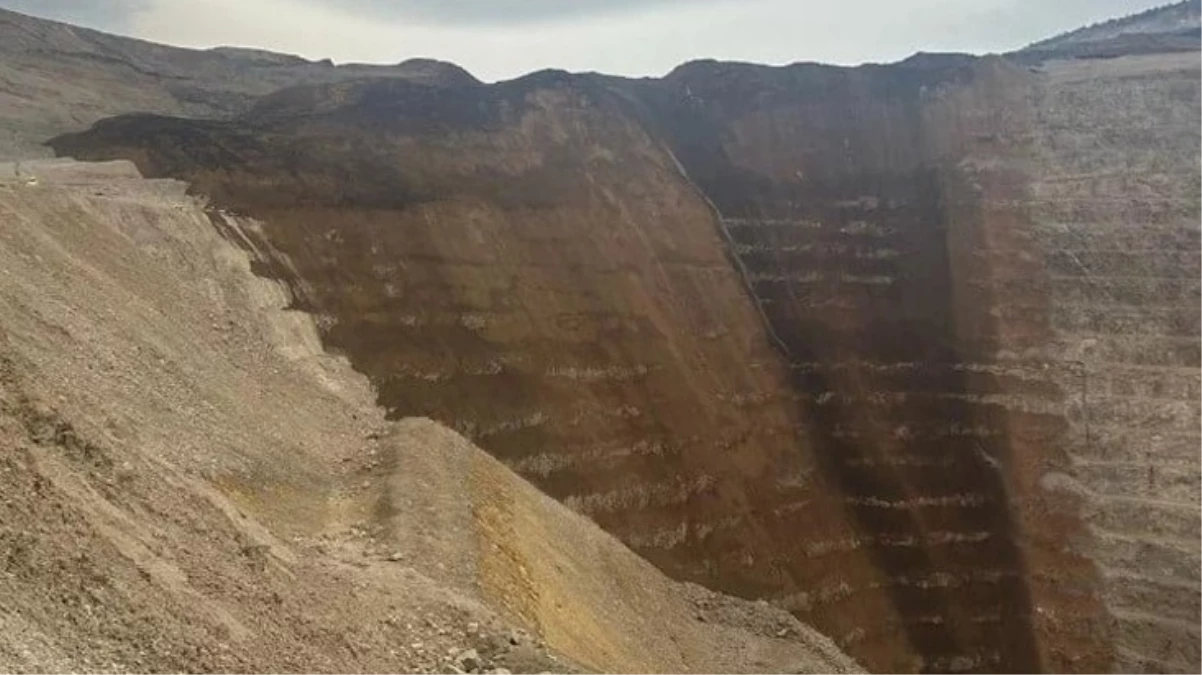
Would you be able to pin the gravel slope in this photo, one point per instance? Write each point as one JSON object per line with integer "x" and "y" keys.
{"x": 188, "y": 483}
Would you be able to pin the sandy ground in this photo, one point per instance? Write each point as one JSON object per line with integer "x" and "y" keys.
{"x": 188, "y": 483}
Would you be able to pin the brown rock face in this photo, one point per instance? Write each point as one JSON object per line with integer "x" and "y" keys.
{"x": 946, "y": 250}
{"x": 526, "y": 264}
{"x": 909, "y": 350}
{"x": 837, "y": 200}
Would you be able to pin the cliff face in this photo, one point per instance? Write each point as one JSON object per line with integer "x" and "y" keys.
{"x": 909, "y": 350}
{"x": 841, "y": 193}
{"x": 191, "y": 484}
{"x": 526, "y": 264}
{"x": 1111, "y": 222}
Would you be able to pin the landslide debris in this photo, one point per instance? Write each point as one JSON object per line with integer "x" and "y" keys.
{"x": 189, "y": 483}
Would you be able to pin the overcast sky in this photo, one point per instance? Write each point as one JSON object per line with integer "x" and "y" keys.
{"x": 500, "y": 39}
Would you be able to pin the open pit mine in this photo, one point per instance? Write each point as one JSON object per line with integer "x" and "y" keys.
{"x": 892, "y": 367}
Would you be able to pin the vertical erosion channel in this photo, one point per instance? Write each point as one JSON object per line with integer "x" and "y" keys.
{"x": 835, "y": 215}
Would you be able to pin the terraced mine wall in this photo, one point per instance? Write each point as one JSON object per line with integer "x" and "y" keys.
{"x": 1113, "y": 216}
{"x": 909, "y": 350}
{"x": 837, "y": 208}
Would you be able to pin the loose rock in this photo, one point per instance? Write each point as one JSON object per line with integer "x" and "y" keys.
{"x": 469, "y": 661}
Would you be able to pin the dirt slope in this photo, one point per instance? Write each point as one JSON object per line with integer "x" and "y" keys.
{"x": 55, "y": 77}
{"x": 188, "y": 483}
{"x": 1183, "y": 17}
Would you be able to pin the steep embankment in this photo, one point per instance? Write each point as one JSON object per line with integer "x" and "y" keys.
{"x": 1113, "y": 218}
{"x": 986, "y": 280}
{"x": 189, "y": 483}
{"x": 55, "y": 77}
{"x": 527, "y": 265}
{"x": 886, "y": 356}
{"x": 829, "y": 184}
